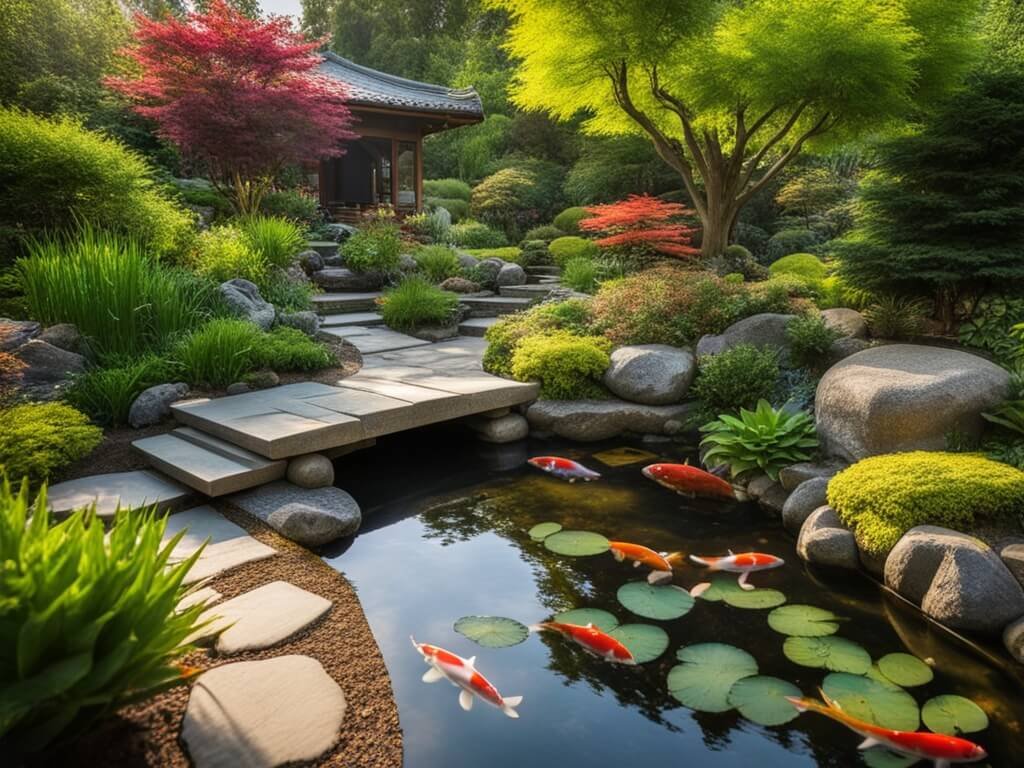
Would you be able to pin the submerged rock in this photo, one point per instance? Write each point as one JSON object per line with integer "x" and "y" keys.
{"x": 651, "y": 374}
{"x": 588, "y": 420}
{"x": 310, "y": 517}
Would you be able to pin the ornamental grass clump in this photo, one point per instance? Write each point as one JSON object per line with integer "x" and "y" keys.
{"x": 107, "y": 394}
{"x": 38, "y": 439}
{"x": 764, "y": 439}
{"x": 276, "y": 240}
{"x": 415, "y": 303}
{"x": 437, "y": 263}
{"x": 883, "y": 497}
{"x": 88, "y": 621}
{"x": 219, "y": 353}
{"x": 568, "y": 367}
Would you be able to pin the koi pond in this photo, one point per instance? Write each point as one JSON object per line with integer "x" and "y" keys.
{"x": 447, "y": 535}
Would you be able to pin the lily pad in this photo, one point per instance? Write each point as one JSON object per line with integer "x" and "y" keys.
{"x": 645, "y": 641}
{"x": 654, "y": 602}
{"x": 905, "y": 670}
{"x": 876, "y": 702}
{"x": 541, "y": 531}
{"x": 803, "y": 621}
{"x": 953, "y": 715}
{"x": 603, "y": 620}
{"x": 492, "y": 631}
{"x": 762, "y": 699}
{"x": 725, "y": 587}
{"x": 707, "y": 674}
{"x": 836, "y": 654}
{"x": 577, "y": 543}
{"x": 880, "y": 757}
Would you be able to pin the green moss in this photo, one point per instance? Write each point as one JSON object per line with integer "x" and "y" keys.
{"x": 805, "y": 265}
{"x": 568, "y": 367}
{"x": 506, "y": 253}
{"x": 40, "y": 438}
{"x": 882, "y": 497}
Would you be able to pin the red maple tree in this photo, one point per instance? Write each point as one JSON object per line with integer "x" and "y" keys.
{"x": 236, "y": 95}
{"x": 642, "y": 222}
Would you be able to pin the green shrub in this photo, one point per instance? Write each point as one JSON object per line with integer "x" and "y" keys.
{"x": 293, "y": 205}
{"x": 765, "y": 439}
{"x": 277, "y": 241}
{"x": 90, "y": 620}
{"x": 289, "y": 349}
{"x": 40, "y": 438}
{"x": 896, "y": 317}
{"x": 534, "y": 253}
{"x": 219, "y": 353}
{"x": 286, "y": 294}
{"x": 809, "y": 341}
{"x": 739, "y": 260}
{"x": 459, "y": 209}
{"x": 374, "y": 248}
{"x": 753, "y": 238}
{"x": 990, "y": 325}
{"x": 206, "y": 197}
{"x": 737, "y": 378}
{"x": 563, "y": 249}
{"x": 508, "y": 253}
{"x": 568, "y": 367}
{"x": 106, "y": 394}
{"x": 223, "y": 253}
{"x": 415, "y": 303}
{"x": 455, "y": 189}
{"x": 502, "y": 338}
{"x": 805, "y": 265}
{"x": 882, "y": 497}
{"x": 437, "y": 263}
{"x": 789, "y": 241}
{"x": 547, "y": 233}
{"x": 568, "y": 221}
{"x": 580, "y": 274}
{"x": 517, "y": 198}
{"x": 55, "y": 174}
{"x": 123, "y": 302}
{"x": 473, "y": 234}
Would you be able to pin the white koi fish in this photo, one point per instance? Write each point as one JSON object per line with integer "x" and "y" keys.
{"x": 445, "y": 665}
{"x": 744, "y": 564}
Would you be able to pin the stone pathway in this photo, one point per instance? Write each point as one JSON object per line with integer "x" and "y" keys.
{"x": 370, "y": 340}
{"x": 129, "y": 490}
{"x": 227, "y": 545}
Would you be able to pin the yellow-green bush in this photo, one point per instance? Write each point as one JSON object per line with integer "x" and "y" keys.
{"x": 505, "y": 253}
{"x": 224, "y": 253}
{"x": 503, "y": 337}
{"x": 882, "y": 497}
{"x": 568, "y": 367}
{"x": 564, "y": 249}
{"x": 805, "y": 265}
{"x": 37, "y": 439}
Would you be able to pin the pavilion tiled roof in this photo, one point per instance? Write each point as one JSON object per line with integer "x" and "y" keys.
{"x": 369, "y": 87}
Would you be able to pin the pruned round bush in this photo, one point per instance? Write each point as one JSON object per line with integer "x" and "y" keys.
{"x": 547, "y": 233}
{"x": 568, "y": 221}
{"x": 564, "y": 249}
{"x": 455, "y": 189}
{"x": 415, "y": 303}
{"x": 805, "y": 265}
{"x": 789, "y": 241}
{"x": 883, "y": 497}
{"x": 38, "y": 439}
{"x": 502, "y": 338}
{"x": 737, "y": 378}
{"x": 474, "y": 234}
{"x": 377, "y": 247}
{"x": 580, "y": 274}
{"x": 437, "y": 263}
{"x": 568, "y": 367}
{"x": 534, "y": 252}
{"x": 517, "y": 198}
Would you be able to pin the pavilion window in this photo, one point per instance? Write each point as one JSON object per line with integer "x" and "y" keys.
{"x": 406, "y": 164}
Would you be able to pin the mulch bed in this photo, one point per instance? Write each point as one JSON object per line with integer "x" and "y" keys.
{"x": 146, "y": 735}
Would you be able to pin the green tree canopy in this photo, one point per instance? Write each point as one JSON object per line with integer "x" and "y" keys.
{"x": 730, "y": 92}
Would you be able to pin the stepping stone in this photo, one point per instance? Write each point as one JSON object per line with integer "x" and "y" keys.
{"x": 262, "y": 617}
{"x": 206, "y": 595}
{"x": 365, "y": 319}
{"x": 476, "y": 326}
{"x": 229, "y": 545}
{"x": 493, "y": 306}
{"x": 129, "y": 490}
{"x": 370, "y": 341}
{"x": 529, "y": 291}
{"x": 326, "y": 303}
{"x": 263, "y": 714}
{"x": 308, "y": 516}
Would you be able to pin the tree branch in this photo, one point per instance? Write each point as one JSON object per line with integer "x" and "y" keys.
{"x": 818, "y": 128}
{"x": 779, "y": 136}
{"x": 676, "y": 105}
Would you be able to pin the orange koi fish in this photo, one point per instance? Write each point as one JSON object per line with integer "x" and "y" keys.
{"x": 689, "y": 481}
{"x": 566, "y": 469}
{"x": 462, "y": 674}
{"x": 660, "y": 563}
{"x": 744, "y": 564}
{"x": 592, "y": 639}
{"x": 942, "y": 750}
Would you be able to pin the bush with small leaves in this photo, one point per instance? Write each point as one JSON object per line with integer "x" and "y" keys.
{"x": 223, "y": 253}
{"x": 737, "y": 378}
{"x": 473, "y": 234}
{"x": 377, "y": 247}
{"x": 763, "y": 439}
{"x": 449, "y": 188}
{"x": 809, "y": 341}
{"x": 568, "y": 367}
{"x": 502, "y": 338}
{"x": 789, "y": 241}
{"x": 458, "y": 209}
{"x": 571, "y": 247}
{"x": 437, "y": 263}
{"x": 547, "y": 233}
{"x": 38, "y": 439}
{"x": 568, "y": 221}
{"x": 292, "y": 204}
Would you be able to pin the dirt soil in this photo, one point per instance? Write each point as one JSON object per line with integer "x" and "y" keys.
{"x": 146, "y": 735}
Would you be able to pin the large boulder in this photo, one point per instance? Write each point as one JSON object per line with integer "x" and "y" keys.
{"x": 14, "y": 333}
{"x": 304, "y": 320}
{"x": 957, "y": 579}
{"x": 467, "y": 261}
{"x": 510, "y": 274}
{"x": 904, "y": 397}
{"x": 805, "y": 499}
{"x": 824, "y": 540}
{"x": 764, "y": 330}
{"x": 459, "y": 285}
{"x": 588, "y": 420}
{"x": 310, "y": 517}
{"x": 652, "y": 374}
{"x": 487, "y": 272}
{"x": 46, "y": 364}
{"x": 243, "y": 299}
{"x": 153, "y": 405}
{"x": 65, "y": 336}
{"x": 344, "y": 279}
{"x": 849, "y": 323}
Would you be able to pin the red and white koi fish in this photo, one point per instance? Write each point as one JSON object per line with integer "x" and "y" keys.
{"x": 462, "y": 674}
{"x": 660, "y": 563}
{"x": 942, "y": 750}
{"x": 590, "y": 638}
{"x": 567, "y": 469}
{"x": 689, "y": 481}
{"x": 744, "y": 564}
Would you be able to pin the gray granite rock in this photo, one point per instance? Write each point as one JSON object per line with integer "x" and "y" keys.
{"x": 14, "y": 333}
{"x": 64, "y": 336}
{"x": 764, "y": 330}
{"x": 503, "y": 429}
{"x": 824, "y": 540}
{"x": 487, "y": 270}
{"x": 46, "y": 367}
{"x": 849, "y": 322}
{"x": 805, "y": 499}
{"x": 153, "y": 405}
{"x": 795, "y": 474}
{"x": 468, "y": 261}
{"x": 758, "y": 484}
{"x": 343, "y": 279}
{"x": 1013, "y": 639}
{"x": 588, "y": 420}
{"x": 310, "y": 261}
{"x": 510, "y": 274}
{"x": 243, "y": 299}
{"x": 436, "y": 332}
{"x": 262, "y": 379}
{"x": 651, "y": 374}
{"x": 310, "y": 517}
{"x": 306, "y": 321}
{"x": 459, "y": 285}
{"x": 773, "y": 499}
{"x": 840, "y": 349}
{"x": 238, "y": 388}
{"x": 904, "y": 397}
{"x": 313, "y": 470}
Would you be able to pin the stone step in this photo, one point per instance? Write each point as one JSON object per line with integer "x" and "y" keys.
{"x": 323, "y": 247}
{"x": 538, "y": 291}
{"x": 541, "y": 269}
{"x": 476, "y": 326}
{"x": 127, "y": 490}
{"x": 345, "y": 319}
{"x": 493, "y": 306}
{"x": 206, "y": 463}
{"x": 337, "y": 303}
{"x": 372, "y": 340}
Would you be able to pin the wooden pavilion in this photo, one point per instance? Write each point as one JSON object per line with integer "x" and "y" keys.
{"x": 384, "y": 166}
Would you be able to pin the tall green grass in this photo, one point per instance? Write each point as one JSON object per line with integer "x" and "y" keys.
{"x": 107, "y": 394}
{"x": 414, "y": 303}
{"x": 122, "y": 301}
{"x": 277, "y": 240}
{"x": 219, "y": 353}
